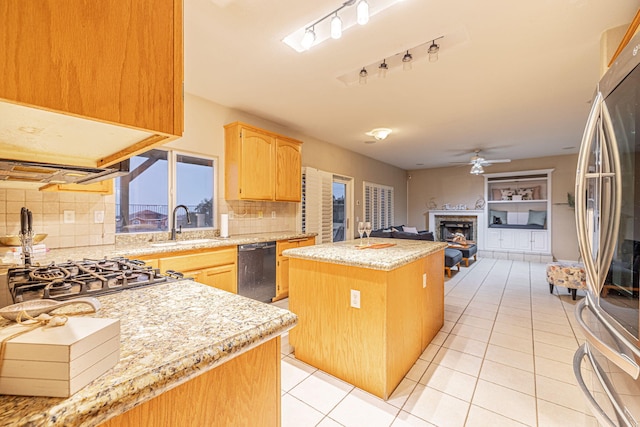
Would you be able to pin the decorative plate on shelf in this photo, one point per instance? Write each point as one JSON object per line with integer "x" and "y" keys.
{"x": 479, "y": 204}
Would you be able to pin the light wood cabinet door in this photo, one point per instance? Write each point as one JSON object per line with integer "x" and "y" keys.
{"x": 222, "y": 277}
{"x": 113, "y": 61}
{"x": 261, "y": 165}
{"x": 257, "y": 165}
{"x": 216, "y": 267}
{"x": 282, "y": 263}
{"x": 288, "y": 170}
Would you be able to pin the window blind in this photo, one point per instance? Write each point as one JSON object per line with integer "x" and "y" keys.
{"x": 317, "y": 204}
{"x": 378, "y": 205}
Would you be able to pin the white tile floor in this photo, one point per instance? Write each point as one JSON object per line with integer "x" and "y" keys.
{"x": 502, "y": 358}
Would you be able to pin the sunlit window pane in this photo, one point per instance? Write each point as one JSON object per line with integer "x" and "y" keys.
{"x": 194, "y": 189}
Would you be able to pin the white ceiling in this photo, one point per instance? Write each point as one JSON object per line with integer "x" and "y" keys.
{"x": 514, "y": 78}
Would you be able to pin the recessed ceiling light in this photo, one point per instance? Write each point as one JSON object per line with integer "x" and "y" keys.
{"x": 379, "y": 133}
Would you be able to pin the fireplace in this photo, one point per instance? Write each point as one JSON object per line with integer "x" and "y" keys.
{"x": 475, "y": 217}
{"x": 449, "y": 228}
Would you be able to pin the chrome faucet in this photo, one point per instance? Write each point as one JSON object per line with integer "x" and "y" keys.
{"x": 173, "y": 221}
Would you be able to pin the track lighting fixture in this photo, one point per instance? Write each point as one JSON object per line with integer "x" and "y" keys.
{"x": 363, "y": 76}
{"x": 433, "y": 51}
{"x": 406, "y": 61}
{"x": 337, "y": 21}
{"x": 383, "y": 68}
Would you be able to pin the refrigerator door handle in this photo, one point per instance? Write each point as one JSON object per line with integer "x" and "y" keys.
{"x": 596, "y": 410}
{"x": 623, "y": 361}
{"x": 584, "y": 243}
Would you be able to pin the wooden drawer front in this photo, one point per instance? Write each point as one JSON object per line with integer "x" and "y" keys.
{"x": 310, "y": 241}
{"x": 200, "y": 260}
{"x": 284, "y": 245}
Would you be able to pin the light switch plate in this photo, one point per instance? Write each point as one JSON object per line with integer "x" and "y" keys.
{"x": 98, "y": 217}
{"x": 355, "y": 298}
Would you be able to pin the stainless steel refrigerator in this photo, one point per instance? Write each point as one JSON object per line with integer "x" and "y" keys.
{"x": 607, "y": 366}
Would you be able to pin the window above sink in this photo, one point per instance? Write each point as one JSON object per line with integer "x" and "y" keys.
{"x": 143, "y": 197}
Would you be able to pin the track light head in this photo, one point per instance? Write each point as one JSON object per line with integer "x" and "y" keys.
{"x": 363, "y": 76}
{"x": 433, "y": 51}
{"x": 308, "y": 38}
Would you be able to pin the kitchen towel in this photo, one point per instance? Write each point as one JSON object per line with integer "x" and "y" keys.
{"x": 224, "y": 225}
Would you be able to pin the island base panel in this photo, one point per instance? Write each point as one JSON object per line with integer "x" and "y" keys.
{"x": 372, "y": 347}
{"x": 244, "y": 391}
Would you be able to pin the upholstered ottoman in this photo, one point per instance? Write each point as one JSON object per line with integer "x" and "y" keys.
{"x": 569, "y": 275}
{"x": 468, "y": 252}
{"x": 452, "y": 258}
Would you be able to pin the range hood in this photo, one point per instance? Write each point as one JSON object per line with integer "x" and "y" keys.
{"x": 48, "y": 173}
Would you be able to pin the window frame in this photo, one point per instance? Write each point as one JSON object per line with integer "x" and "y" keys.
{"x": 172, "y": 159}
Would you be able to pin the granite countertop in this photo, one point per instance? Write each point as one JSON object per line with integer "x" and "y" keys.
{"x": 131, "y": 250}
{"x": 170, "y": 333}
{"x": 402, "y": 252}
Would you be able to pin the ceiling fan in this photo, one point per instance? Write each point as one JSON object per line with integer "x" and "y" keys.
{"x": 478, "y": 162}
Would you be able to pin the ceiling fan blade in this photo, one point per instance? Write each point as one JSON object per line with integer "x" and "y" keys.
{"x": 490, "y": 161}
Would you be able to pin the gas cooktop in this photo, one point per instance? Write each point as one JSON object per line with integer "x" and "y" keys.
{"x": 88, "y": 277}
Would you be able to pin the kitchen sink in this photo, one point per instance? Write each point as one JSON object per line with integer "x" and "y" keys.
{"x": 163, "y": 244}
{"x": 195, "y": 241}
{"x": 182, "y": 242}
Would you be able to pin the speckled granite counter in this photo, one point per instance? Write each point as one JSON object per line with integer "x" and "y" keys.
{"x": 170, "y": 333}
{"x": 131, "y": 250}
{"x": 348, "y": 253}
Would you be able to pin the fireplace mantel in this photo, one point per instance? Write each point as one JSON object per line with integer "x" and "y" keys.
{"x": 478, "y": 214}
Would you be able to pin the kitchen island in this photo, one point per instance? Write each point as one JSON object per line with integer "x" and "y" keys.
{"x": 189, "y": 355}
{"x": 366, "y": 315}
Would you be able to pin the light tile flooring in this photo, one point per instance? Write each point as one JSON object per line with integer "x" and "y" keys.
{"x": 503, "y": 358}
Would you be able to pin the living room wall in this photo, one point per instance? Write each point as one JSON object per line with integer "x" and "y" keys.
{"x": 455, "y": 185}
{"x": 204, "y": 134}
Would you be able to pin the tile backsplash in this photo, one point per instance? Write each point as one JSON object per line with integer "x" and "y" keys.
{"x": 246, "y": 217}
{"x": 53, "y": 212}
{"x": 48, "y": 208}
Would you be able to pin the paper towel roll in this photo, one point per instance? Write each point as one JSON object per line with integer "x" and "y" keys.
{"x": 224, "y": 225}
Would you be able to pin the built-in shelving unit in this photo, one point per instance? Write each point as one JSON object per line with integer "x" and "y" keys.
{"x": 518, "y": 212}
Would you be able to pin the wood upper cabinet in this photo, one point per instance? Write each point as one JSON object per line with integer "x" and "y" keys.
{"x": 109, "y": 61}
{"x": 288, "y": 169}
{"x": 282, "y": 263}
{"x": 261, "y": 165}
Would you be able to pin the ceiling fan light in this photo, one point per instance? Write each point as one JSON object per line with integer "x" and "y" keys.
{"x": 308, "y": 38}
{"x": 362, "y": 12}
{"x": 336, "y": 27}
{"x": 476, "y": 169}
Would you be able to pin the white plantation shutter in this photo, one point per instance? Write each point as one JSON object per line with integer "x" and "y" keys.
{"x": 317, "y": 203}
{"x": 378, "y": 205}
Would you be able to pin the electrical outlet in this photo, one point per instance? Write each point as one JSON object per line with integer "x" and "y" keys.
{"x": 273, "y": 214}
{"x": 424, "y": 280}
{"x": 355, "y": 298}
{"x": 98, "y": 217}
{"x": 230, "y": 214}
{"x": 69, "y": 217}
{"x": 259, "y": 214}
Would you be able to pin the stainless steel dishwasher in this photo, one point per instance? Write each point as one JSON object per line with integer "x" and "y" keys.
{"x": 257, "y": 271}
